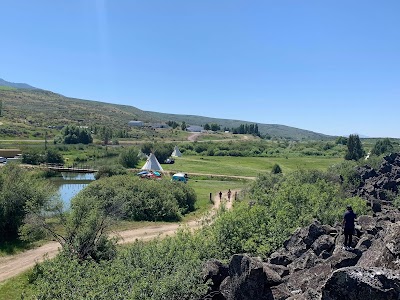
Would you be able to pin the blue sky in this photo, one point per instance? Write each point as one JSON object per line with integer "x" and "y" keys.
{"x": 327, "y": 66}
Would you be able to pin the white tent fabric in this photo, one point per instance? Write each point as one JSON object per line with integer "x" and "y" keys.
{"x": 152, "y": 164}
{"x": 176, "y": 152}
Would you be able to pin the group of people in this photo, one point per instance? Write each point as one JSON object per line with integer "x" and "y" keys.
{"x": 229, "y": 193}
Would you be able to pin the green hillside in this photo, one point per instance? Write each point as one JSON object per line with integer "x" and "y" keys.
{"x": 42, "y": 108}
{"x": 271, "y": 129}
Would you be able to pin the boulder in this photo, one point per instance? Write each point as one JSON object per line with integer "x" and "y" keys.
{"x": 303, "y": 238}
{"x": 364, "y": 243}
{"x": 367, "y": 224}
{"x": 323, "y": 243}
{"x": 281, "y": 257}
{"x": 343, "y": 258}
{"x": 305, "y": 261}
{"x": 355, "y": 283}
{"x": 249, "y": 279}
{"x": 309, "y": 278}
{"x": 215, "y": 271}
{"x": 385, "y": 251}
{"x": 281, "y": 270}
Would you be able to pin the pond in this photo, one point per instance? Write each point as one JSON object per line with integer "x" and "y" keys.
{"x": 70, "y": 184}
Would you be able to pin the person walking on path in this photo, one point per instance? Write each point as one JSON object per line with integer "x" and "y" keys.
{"x": 220, "y": 196}
{"x": 229, "y": 195}
{"x": 348, "y": 225}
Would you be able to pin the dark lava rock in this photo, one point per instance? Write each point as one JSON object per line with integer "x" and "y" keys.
{"x": 355, "y": 283}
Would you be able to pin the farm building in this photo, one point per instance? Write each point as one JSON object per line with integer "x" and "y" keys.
{"x": 194, "y": 128}
{"x": 135, "y": 123}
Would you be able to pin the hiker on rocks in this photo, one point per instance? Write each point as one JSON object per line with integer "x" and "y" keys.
{"x": 220, "y": 195}
{"x": 348, "y": 225}
{"x": 229, "y": 195}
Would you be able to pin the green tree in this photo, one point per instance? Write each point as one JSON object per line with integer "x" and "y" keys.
{"x": 21, "y": 194}
{"x": 75, "y": 135}
{"x": 183, "y": 125}
{"x": 33, "y": 156}
{"x": 52, "y": 156}
{"x": 128, "y": 158}
{"x": 276, "y": 169}
{"x": 354, "y": 148}
{"x": 106, "y": 134}
{"x": 382, "y": 146}
{"x": 215, "y": 127}
{"x": 341, "y": 140}
{"x": 207, "y": 126}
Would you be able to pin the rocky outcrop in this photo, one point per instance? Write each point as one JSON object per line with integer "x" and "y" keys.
{"x": 312, "y": 265}
{"x": 356, "y": 283}
{"x": 382, "y": 183}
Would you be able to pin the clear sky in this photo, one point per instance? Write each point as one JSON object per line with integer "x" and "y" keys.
{"x": 330, "y": 66}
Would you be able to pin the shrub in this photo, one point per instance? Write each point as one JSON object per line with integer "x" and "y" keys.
{"x": 128, "y": 158}
{"x": 276, "y": 169}
{"x": 108, "y": 171}
{"x": 150, "y": 200}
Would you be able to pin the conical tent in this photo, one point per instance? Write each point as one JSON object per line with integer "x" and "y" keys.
{"x": 176, "y": 152}
{"x": 152, "y": 164}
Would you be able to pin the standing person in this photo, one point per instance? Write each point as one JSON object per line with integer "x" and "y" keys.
{"x": 229, "y": 195}
{"x": 348, "y": 225}
{"x": 220, "y": 195}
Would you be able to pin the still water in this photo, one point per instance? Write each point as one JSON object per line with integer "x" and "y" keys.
{"x": 70, "y": 184}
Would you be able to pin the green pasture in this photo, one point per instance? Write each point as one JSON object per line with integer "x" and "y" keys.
{"x": 246, "y": 166}
{"x": 16, "y": 288}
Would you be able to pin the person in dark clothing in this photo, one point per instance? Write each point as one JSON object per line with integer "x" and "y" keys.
{"x": 348, "y": 225}
{"x": 220, "y": 195}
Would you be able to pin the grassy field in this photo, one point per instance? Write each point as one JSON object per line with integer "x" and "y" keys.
{"x": 13, "y": 288}
{"x": 246, "y": 166}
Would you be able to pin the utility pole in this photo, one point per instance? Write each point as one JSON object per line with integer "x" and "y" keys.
{"x": 45, "y": 140}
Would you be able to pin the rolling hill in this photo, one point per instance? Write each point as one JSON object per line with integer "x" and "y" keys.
{"x": 30, "y": 106}
{"x": 14, "y": 85}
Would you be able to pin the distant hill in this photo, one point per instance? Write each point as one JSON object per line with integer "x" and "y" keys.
{"x": 42, "y": 108}
{"x": 16, "y": 85}
{"x": 274, "y": 130}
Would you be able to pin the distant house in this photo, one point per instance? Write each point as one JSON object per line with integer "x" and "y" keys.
{"x": 194, "y": 128}
{"x": 159, "y": 125}
{"x": 135, "y": 123}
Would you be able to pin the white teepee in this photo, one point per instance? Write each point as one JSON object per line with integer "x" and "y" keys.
{"x": 152, "y": 164}
{"x": 176, "y": 152}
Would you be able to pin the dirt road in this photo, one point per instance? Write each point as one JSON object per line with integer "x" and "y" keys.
{"x": 193, "y": 136}
{"x": 13, "y": 265}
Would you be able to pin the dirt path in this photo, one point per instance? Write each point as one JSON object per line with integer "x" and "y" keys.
{"x": 193, "y": 136}
{"x": 13, "y": 265}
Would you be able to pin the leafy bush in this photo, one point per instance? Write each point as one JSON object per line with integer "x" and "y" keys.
{"x": 382, "y": 146}
{"x": 108, "y": 171}
{"x": 160, "y": 269}
{"x": 151, "y": 200}
{"x": 276, "y": 169}
{"x": 20, "y": 194}
{"x": 128, "y": 157}
{"x": 283, "y": 204}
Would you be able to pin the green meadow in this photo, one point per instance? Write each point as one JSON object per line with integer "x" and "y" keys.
{"x": 247, "y": 166}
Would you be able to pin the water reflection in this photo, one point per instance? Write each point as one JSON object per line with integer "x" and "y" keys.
{"x": 70, "y": 184}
